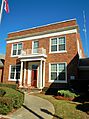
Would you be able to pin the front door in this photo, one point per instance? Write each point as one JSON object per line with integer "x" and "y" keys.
{"x": 34, "y": 75}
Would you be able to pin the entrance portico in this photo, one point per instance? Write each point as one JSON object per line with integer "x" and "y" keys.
{"x": 32, "y": 71}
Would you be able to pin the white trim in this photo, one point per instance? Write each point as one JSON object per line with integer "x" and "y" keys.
{"x": 21, "y": 75}
{"x": 62, "y": 51}
{"x": 58, "y": 81}
{"x": 32, "y": 56}
{"x": 41, "y": 74}
{"x": 16, "y": 50}
{"x": 43, "y": 25}
{"x": 44, "y": 74}
{"x": 43, "y": 36}
{"x": 9, "y": 79}
{"x": 24, "y": 73}
{"x": 29, "y": 74}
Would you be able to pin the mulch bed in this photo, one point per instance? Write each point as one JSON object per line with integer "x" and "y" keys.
{"x": 63, "y": 98}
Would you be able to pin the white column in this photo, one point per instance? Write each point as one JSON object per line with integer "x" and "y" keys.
{"x": 21, "y": 74}
{"x": 29, "y": 75}
{"x": 40, "y": 74}
{"x": 24, "y": 73}
{"x": 44, "y": 75}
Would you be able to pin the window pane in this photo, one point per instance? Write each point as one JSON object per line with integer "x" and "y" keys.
{"x": 14, "y": 46}
{"x": 54, "y": 48}
{"x": 12, "y": 68}
{"x": 36, "y": 44}
{"x": 54, "y": 41}
{"x": 12, "y": 75}
{"x": 20, "y": 46}
{"x": 53, "y": 67}
{"x": 53, "y": 75}
{"x": 14, "y": 52}
{"x": 61, "y": 76}
{"x": 61, "y": 47}
{"x": 19, "y": 52}
{"x": 61, "y": 67}
{"x": 34, "y": 67}
{"x": 35, "y": 50}
{"x": 12, "y": 72}
{"x": 62, "y": 40}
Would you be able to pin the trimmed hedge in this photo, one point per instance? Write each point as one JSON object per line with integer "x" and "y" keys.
{"x": 6, "y": 105}
{"x": 67, "y": 93}
{"x": 12, "y": 99}
{"x": 14, "y": 86}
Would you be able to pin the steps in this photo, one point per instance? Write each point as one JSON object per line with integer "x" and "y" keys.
{"x": 30, "y": 90}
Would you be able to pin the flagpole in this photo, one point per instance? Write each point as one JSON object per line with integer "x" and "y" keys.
{"x": 85, "y": 33}
{"x": 1, "y": 10}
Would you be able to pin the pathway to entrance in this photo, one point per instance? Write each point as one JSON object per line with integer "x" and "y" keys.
{"x": 34, "y": 108}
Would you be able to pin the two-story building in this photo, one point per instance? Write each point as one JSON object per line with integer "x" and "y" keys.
{"x": 43, "y": 55}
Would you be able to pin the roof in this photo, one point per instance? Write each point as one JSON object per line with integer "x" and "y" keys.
{"x": 49, "y": 28}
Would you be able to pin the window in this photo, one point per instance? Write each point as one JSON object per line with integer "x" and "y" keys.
{"x": 35, "y": 46}
{"x": 15, "y": 72}
{"x": 58, "y": 72}
{"x": 58, "y": 44}
{"x": 17, "y": 49}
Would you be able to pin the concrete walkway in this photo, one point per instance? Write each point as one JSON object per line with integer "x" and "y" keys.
{"x": 34, "y": 108}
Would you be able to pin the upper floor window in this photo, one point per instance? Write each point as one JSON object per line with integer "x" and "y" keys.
{"x": 35, "y": 46}
{"x": 58, "y": 44}
{"x": 16, "y": 49}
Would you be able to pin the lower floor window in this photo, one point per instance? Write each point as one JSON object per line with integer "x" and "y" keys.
{"x": 15, "y": 72}
{"x": 58, "y": 72}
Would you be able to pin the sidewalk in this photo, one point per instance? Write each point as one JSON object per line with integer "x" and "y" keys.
{"x": 34, "y": 108}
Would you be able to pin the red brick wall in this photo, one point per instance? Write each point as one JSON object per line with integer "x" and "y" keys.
{"x": 68, "y": 57}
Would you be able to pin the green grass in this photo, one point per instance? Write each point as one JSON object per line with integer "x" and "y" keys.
{"x": 65, "y": 109}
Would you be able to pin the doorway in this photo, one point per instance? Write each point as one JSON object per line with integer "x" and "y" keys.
{"x": 34, "y": 75}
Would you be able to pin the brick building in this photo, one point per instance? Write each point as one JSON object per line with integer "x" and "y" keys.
{"x": 44, "y": 55}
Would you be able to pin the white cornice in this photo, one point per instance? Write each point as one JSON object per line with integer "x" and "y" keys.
{"x": 43, "y": 36}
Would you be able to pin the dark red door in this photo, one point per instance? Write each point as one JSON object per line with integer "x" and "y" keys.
{"x": 34, "y": 78}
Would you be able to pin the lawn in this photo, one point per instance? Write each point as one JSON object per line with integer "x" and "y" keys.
{"x": 65, "y": 109}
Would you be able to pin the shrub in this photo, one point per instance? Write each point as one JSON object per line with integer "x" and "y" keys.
{"x": 14, "y": 86}
{"x": 2, "y": 92}
{"x": 16, "y": 99}
{"x": 67, "y": 93}
{"x": 6, "y": 105}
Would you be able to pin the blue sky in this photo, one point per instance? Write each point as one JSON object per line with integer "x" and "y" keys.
{"x": 26, "y": 14}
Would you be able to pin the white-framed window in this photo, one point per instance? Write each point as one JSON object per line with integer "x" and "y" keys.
{"x": 14, "y": 72}
{"x": 35, "y": 46}
{"x": 58, "y": 72}
{"x": 16, "y": 49}
{"x": 58, "y": 44}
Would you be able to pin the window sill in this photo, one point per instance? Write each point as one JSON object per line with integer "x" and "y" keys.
{"x": 58, "y": 52}
{"x": 13, "y": 79}
{"x": 14, "y": 55}
{"x": 58, "y": 81}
